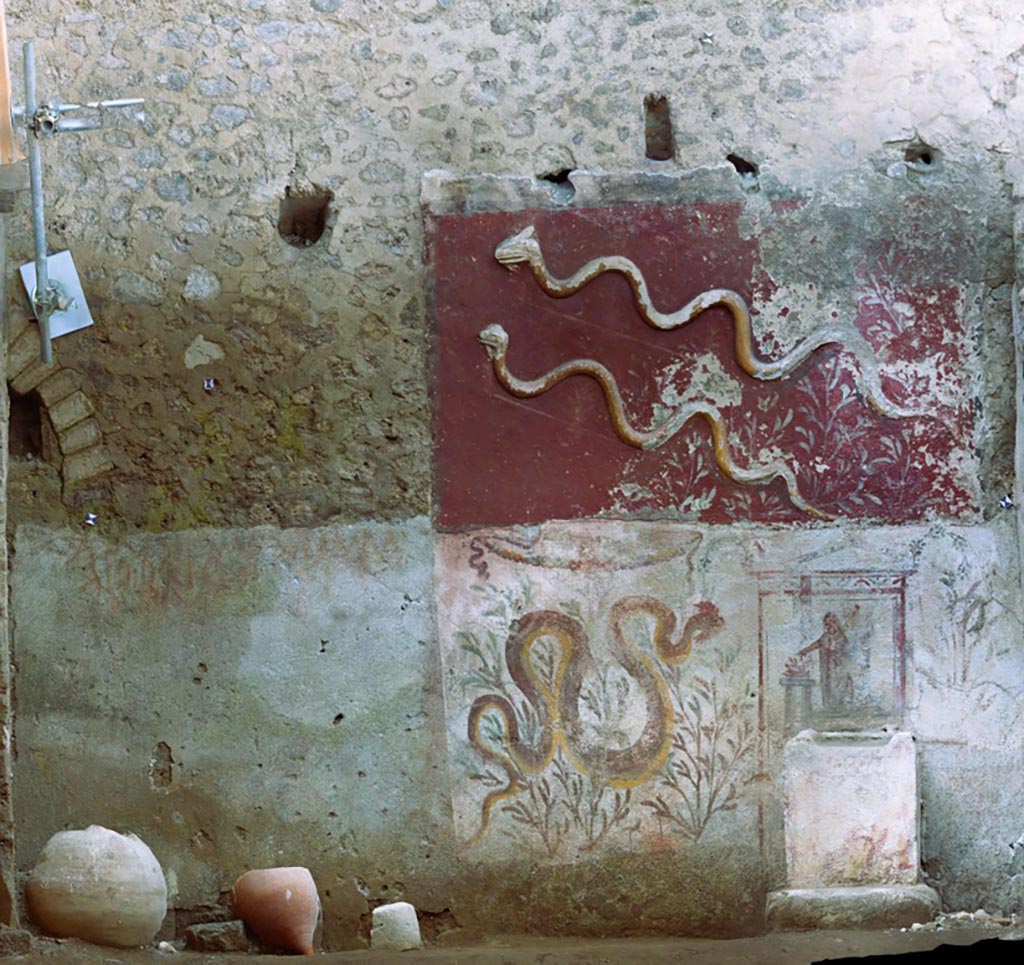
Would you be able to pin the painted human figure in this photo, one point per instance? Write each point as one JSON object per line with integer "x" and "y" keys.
{"x": 837, "y": 664}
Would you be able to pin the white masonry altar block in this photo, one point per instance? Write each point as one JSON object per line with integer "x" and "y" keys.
{"x": 851, "y": 830}
{"x": 851, "y": 809}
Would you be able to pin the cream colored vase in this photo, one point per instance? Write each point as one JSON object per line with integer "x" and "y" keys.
{"x": 280, "y": 906}
{"x": 98, "y": 885}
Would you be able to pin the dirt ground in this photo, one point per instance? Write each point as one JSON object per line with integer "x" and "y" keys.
{"x": 774, "y": 949}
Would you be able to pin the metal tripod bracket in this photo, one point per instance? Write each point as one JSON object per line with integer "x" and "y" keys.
{"x": 52, "y": 297}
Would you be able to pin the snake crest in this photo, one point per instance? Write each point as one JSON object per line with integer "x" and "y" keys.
{"x": 519, "y": 248}
{"x": 524, "y": 248}
{"x": 554, "y": 703}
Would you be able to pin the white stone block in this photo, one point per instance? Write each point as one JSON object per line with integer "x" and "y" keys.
{"x": 851, "y": 810}
{"x": 395, "y": 928}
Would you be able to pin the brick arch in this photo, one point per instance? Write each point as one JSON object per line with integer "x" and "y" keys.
{"x": 83, "y": 452}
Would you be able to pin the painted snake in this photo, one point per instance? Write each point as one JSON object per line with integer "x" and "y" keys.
{"x": 556, "y": 704}
{"x": 524, "y": 247}
{"x": 495, "y": 341}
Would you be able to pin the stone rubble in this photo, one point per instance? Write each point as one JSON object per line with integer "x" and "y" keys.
{"x": 217, "y": 936}
{"x": 961, "y": 919}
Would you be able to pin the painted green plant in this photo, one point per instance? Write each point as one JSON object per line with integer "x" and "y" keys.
{"x": 713, "y": 739}
{"x": 564, "y": 806}
{"x": 967, "y": 601}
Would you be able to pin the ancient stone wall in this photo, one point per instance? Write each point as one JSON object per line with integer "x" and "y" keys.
{"x": 282, "y": 667}
{"x": 319, "y": 410}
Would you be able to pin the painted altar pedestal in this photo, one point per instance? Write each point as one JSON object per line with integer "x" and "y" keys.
{"x": 851, "y": 833}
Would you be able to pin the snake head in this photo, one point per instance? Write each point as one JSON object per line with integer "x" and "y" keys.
{"x": 518, "y": 248}
{"x": 705, "y": 623}
{"x": 495, "y": 340}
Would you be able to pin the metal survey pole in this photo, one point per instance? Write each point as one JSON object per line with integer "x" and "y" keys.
{"x": 41, "y": 300}
{"x": 45, "y": 120}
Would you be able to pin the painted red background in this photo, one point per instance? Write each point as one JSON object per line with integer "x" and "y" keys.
{"x": 502, "y": 460}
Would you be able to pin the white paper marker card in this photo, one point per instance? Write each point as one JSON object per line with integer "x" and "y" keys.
{"x": 61, "y": 270}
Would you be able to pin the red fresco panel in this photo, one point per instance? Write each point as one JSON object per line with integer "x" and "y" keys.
{"x": 503, "y": 460}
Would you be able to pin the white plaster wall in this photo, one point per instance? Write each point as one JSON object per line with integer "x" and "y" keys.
{"x": 239, "y": 699}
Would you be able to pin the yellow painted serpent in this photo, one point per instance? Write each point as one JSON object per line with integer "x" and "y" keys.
{"x": 556, "y": 704}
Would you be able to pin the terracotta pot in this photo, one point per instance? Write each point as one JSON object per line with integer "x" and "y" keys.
{"x": 98, "y": 885}
{"x": 280, "y": 905}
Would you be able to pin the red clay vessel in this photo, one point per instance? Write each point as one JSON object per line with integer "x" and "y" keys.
{"x": 279, "y": 905}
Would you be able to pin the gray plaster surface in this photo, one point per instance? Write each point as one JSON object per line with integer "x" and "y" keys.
{"x": 239, "y": 699}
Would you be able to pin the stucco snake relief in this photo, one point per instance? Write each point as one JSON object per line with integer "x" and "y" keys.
{"x": 555, "y": 702}
{"x": 524, "y": 248}
{"x": 495, "y": 340}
